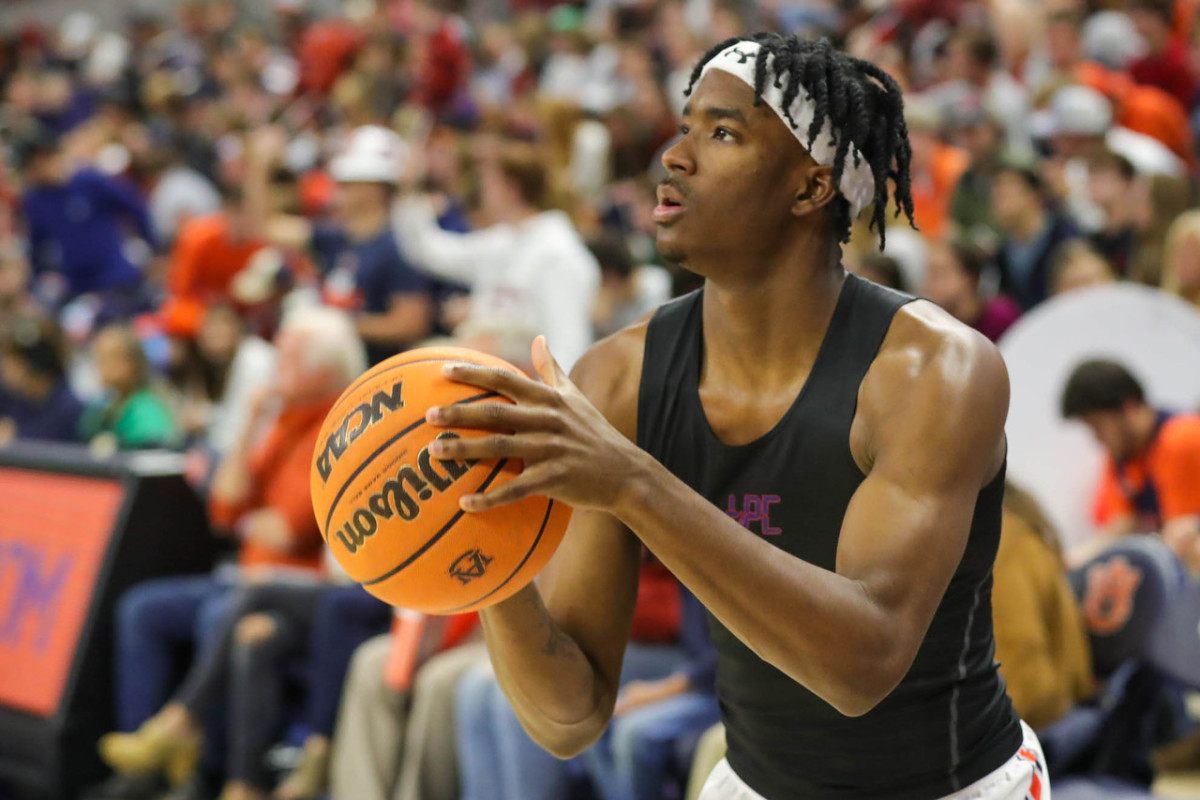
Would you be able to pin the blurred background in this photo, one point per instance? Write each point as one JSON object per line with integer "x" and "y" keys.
{"x": 215, "y": 214}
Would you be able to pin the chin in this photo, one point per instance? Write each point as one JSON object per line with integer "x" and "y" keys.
{"x": 671, "y": 246}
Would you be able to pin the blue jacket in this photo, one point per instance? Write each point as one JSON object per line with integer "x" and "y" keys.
{"x": 76, "y": 230}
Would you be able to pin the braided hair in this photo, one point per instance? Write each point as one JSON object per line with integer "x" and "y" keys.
{"x": 864, "y": 107}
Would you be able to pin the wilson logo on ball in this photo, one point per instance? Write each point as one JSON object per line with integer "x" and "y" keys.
{"x": 401, "y": 496}
{"x": 355, "y": 424}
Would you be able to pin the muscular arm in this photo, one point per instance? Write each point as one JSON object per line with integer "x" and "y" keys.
{"x": 928, "y": 434}
{"x": 557, "y": 647}
{"x": 930, "y": 427}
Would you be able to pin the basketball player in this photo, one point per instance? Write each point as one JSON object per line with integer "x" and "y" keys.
{"x": 820, "y": 460}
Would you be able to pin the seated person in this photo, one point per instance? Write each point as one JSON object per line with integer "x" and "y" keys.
{"x": 133, "y": 413}
{"x": 37, "y": 402}
{"x": 952, "y": 280}
{"x": 261, "y": 493}
{"x": 634, "y": 759}
{"x": 497, "y": 759}
{"x": 1077, "y": 265}
{"x": 216, "y": 374}
{"x": 245, "y": 671}
{"x": 395, "y": 740}
{"x": 1152, "y": 478}
{"x": 1041, "y": 644}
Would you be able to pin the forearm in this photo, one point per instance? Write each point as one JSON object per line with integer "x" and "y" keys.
{"x": 562, "y": 699}
{"x": 390, "y": 328}
{"x": 834, "y": 638}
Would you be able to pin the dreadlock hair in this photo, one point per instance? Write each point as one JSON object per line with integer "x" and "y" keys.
{"x": 864, "y": 107}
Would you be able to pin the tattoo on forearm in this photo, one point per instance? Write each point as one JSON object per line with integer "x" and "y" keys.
{"x": 555, "y": 638}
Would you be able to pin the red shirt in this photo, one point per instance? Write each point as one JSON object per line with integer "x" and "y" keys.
{"x": 1169, "y": 70}
{"x": 279, "y": 467}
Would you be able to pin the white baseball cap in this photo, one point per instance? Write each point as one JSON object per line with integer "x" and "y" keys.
{"x": 1074, "y": 110}
{"x": 372, "y": 154}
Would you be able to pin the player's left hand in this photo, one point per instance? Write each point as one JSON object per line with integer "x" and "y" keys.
{"x": 570, "y": 451}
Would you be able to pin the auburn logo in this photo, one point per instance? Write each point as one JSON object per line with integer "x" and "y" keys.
{"x": 1108, "y": 601}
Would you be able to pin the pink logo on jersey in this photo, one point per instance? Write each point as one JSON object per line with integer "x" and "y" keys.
{"x": 754, "y": 508}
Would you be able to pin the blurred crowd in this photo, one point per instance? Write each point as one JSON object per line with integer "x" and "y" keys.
{"x": 215, "y": 214}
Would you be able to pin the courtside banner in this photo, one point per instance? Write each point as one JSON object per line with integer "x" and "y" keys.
{"x": 54, "y": 532}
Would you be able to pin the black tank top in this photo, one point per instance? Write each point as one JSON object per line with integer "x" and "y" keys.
{"x": 949, "y": 722}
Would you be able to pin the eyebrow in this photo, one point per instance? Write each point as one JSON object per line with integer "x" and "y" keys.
{"x": 717, "y": 112}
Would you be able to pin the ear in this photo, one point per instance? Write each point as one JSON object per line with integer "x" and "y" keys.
{"x": 814, "y": 190}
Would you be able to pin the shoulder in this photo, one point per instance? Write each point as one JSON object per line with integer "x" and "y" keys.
{"x": 933, "y": 372}
{"x": 925, "y": 342}
{"x": 1180, "y": 433}
{"x": 609, "y": 374}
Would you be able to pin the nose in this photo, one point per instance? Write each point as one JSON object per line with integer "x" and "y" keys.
{"x": 678, "y": 157}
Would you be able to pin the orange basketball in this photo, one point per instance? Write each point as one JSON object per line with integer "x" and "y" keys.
{"x": 390, "y": 513}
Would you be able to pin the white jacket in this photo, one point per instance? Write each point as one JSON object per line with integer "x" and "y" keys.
{"x": 538, "y": 273}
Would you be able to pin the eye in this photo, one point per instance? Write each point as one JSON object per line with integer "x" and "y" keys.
{"x": 722, "y": 134}
{"x": 683, "y": 130}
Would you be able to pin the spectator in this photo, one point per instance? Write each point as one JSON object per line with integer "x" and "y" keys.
{"x": 936, "y": 167}
{"x": 364, "y": 272}
{"x": 1182, "y": 269}
{"x": 179, "y": 192}
{"x": 210, "y": 253}
{"x": 977, "y": 133}
{"x": 952, "y": 280}
{"x": 497, "y": 760}
{"x": 268, "y": 627}
{"x": 1163, "y": 200}
{"x": 1041, "y": 644}
{"x": 530, "y": 266}
{"x": 40, "y": 404}
{"x": 633, "y": 760}
{"x": 134, "y": 413}
{"x": 76, "y": 237}
{"x": 388, "y": 748}
{"x": 261, "y": 492}
{"x": 1152, "y": 477}
{"x": 224, "y": 370}
{"x": 1078, "y": 264}
{"x": 974, "y": 58}
{"x": 1166, "y": 63}
{"x": 15, "y": 297}
{"x": 1111, "y": 180}
{"x": 881, "y": 269}
{"x": 1079, "y": 124}
{"x": 1031, "y": 229}
{"x": 627, "y": 293}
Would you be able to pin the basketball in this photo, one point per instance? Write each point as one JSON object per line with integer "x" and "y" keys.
{"x": 390, "y": 512}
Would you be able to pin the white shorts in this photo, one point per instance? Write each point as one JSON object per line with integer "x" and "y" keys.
{"x": 1022, "y": 777}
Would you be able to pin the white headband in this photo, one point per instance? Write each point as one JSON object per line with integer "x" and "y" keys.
{"x": 857, "y": 184}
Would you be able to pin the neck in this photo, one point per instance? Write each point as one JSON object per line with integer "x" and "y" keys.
{"x": 366, "y": 223}
{"x": 1029, "y": 224}
{"x": 39, "y": 388}
{"x": 759, "y": 324}
{"x": 517, "y": 214}
{"x": 969, "y": 309}
{"x": 1145, "y": 422}
{"x": 1119, "y": 214}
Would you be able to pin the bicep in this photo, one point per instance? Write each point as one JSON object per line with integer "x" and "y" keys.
{"x": 590, "y": 588}
{"x": 938, "y": 439}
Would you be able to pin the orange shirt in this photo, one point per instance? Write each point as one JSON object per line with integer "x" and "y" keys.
{"x": 280, "y": 466}
{"x": 1159, "y": 485}
{"x": 1144, "y": 109}
{"x": 931, "y": 192}
{"x": 206, "y": 257}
